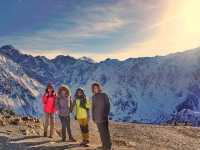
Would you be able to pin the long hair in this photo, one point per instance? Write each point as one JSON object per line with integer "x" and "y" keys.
{"x": 98, "y": 85}
{"x": 82, "y": 98}
{"x": 49, "y": 85}
{"x": 64, "y": 88}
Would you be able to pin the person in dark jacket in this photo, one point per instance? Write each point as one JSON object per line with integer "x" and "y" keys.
{"x": 100, "y": 112}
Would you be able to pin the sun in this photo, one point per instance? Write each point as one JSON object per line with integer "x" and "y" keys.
{"x": 178, "y": 29}
{"x": 190, "y": 14}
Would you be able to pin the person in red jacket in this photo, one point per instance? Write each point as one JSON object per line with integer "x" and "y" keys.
{"x": 49, "y": 104}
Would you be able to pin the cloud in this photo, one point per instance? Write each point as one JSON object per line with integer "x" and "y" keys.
{"x": 130, "y": 27}
{"x": 94, "y": 22}
{"x": 177, "y": 30}
{"x": 98, "y": 28}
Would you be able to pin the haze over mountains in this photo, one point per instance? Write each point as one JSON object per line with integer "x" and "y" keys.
{"x": 148, "y": 90}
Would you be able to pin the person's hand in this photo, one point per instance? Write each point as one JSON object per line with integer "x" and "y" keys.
{"x": 89, "y": 118}
{"x": 56, "y": 113}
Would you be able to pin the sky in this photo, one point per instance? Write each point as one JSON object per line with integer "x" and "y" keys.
{"x": 99, "y": 29}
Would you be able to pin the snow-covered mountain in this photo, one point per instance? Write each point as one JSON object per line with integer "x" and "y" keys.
{"x": 146, "y": 90}
{"x": 18, "y": 91}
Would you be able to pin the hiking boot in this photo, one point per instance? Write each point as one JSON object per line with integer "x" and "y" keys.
{"x": 71, "y": 139}
{"x": 63, "y": 139}
{"x": 45, "y": 134}
{"x": 84, "y": 143}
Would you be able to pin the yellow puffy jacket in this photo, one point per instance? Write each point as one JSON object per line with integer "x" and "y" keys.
{"x": 82, "y": 113}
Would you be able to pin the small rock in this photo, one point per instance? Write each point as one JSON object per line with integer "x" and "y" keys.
{"x": 36, "y": 120}
{"x": 32, "y": 131}
{"x": 7, "y": 116}
{"x": 23, "y": 131}
{"x": 31, "y": 119}
{"x": 131, "y": 143}
{"x": 1, "y": 122}
{"x": 24, "y": 118}
{"x": 30, "y": 126}
{"x": 28, "y": 132}
{"x": 8, "y": 131}
{"x": 14, "y": 121}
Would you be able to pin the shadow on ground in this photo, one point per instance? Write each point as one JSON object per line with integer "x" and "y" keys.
{"x": 34, "y": 143}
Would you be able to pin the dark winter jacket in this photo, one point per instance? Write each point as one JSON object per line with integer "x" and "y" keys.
{"x": 100, "y": 107}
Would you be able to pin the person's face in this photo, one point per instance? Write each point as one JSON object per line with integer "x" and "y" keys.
{"x": 50, "y": 90}
{"x": 79, "y": 93}
{"x": 63, "y": 93}
{"x": 96, "y": 89}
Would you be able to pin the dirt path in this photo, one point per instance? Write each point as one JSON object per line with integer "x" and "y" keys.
{"x": 12, "y": 138}
{"x": 37, "y": 143}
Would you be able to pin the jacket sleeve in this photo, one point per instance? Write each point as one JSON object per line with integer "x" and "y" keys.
{"x": 55, "y": 99}
{"x": 72, "y": 104}
{"x": 107, "y": 104}
{"x": 57, "y": 104}
{"x": 93, "y": 107}
{"x": 88, "y": 104}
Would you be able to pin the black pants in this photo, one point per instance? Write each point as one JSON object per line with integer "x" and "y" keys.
{"x": 65, "y": 122}
{"x": 104, "y": 135}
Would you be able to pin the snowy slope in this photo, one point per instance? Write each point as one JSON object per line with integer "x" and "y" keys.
{"x": 18, "y": 91}
{"x": 146, "y": 90}
{"x": 188, "y": 116}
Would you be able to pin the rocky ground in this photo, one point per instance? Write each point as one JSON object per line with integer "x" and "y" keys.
{"x": 24, "y": 133}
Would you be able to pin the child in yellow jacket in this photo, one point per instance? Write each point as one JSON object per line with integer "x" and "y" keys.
{"x": 82, "y": 106}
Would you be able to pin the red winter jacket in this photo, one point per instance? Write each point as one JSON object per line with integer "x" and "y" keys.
{"x": 49, "y": 103}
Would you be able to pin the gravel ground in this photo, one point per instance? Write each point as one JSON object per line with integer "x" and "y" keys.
{"x": 27, "y": 135}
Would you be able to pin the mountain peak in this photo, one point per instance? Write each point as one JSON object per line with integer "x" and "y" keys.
{"x": 63, "y": 58}
{"x": 9, "y": 50}
{"x": 7, "y": 47}
{"x": 87, "y": 59}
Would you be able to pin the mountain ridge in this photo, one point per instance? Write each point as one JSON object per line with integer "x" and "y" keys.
{"x": 11, "y": 47}
{"x": 148, "y": 89}
{"x": 17, "y": 90}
